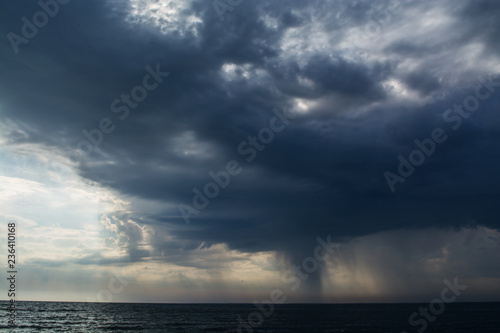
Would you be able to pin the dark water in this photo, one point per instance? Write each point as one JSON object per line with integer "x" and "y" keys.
{"x": 102, "y": 317}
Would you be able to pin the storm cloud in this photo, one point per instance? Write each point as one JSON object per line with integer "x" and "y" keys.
{"x": 361, "y": 81}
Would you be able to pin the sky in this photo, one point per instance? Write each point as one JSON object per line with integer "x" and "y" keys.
{"x": 195, "y": 150}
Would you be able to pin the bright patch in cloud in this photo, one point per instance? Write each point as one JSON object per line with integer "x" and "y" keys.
{"x": 167, "y": 16}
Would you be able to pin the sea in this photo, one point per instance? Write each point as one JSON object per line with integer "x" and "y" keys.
{"x": 311, "y": 318}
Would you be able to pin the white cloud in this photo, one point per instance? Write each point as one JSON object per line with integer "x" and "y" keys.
{"x": 165, "y": 16}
